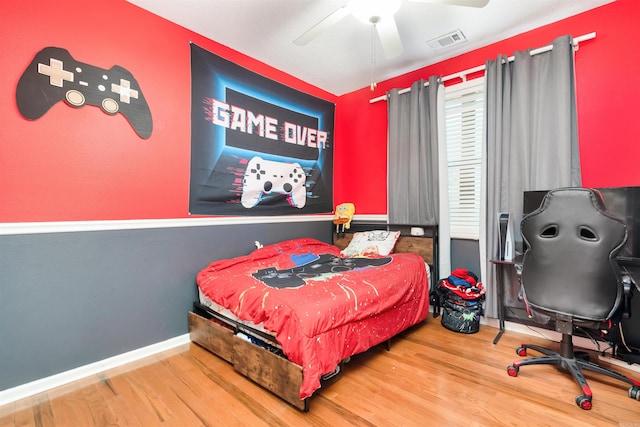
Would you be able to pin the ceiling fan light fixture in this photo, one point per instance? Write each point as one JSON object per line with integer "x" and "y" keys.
{"x": 365, "y": 10}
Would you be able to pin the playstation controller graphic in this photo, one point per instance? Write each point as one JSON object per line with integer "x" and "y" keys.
{"x": 320, "y": 266}
{"x": 266, "y": 177}
{"x": 53, "y": 75}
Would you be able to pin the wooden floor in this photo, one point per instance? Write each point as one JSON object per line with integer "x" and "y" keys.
{"x": 431, "y": 377}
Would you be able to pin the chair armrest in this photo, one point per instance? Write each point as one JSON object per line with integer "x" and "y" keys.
{"x": 627, "y": 288}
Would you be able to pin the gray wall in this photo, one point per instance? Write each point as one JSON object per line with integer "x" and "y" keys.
{"x": 73, "y": 298}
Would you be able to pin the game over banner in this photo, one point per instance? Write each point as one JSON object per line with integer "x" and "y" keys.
{"x": 257, "y": 147}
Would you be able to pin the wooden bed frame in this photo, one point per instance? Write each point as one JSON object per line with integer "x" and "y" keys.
{"x": 426, "y": 245}
{"x": 271, "y": 371}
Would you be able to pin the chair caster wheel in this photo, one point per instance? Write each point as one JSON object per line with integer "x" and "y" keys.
{"x": 521, "y": 351}
{"x": 634, "y": 393}
{"x": 583, "y": 402}
{"x": 512, "y": 371}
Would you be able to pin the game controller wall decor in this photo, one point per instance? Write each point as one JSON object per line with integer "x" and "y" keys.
{"x": 264, "y": 177}
{"x": 54, "y": 75}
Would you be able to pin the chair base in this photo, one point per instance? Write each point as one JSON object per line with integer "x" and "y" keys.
{"x": 567, "y": 359}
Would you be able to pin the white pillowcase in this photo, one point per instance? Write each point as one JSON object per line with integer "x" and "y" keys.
{"x": 369, "y": 243}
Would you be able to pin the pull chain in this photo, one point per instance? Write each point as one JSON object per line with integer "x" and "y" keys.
{"x": 374, "y": 20}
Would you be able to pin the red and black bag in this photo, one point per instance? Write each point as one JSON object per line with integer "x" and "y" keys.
{"x": 461, "y": 297}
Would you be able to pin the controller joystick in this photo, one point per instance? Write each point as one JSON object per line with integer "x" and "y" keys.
{"x": 54, "y": 75}
{"x": 264, "y": 177}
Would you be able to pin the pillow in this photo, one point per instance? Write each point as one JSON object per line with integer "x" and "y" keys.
{"x": 368, "y": 243}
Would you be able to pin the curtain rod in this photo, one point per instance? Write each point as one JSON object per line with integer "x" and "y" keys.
{"x": 463, "y": 74}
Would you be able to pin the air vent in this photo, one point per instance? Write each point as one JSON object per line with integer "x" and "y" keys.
{"x": 447, "y": 40}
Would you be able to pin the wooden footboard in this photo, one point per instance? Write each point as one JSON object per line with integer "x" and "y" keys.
{"x": 275, "y": 373}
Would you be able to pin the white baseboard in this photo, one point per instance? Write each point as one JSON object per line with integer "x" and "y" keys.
{"x": 620, "y": 363}
{"x": 29, "y": 389}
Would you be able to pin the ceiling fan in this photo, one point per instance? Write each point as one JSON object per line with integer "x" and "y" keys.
{"x": 379, "y": 13}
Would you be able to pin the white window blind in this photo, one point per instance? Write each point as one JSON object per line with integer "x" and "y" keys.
{"x": 464, "y": 123}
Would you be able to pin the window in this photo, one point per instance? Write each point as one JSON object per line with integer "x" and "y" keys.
{"x": 464, "y": 124}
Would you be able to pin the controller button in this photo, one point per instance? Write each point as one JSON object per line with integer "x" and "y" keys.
{"x": 110, "y": 106}
{"x": 101, "y": 88}
{"x": 105, "y": 77}
{"x": 55, "y": 71}
{"x": 74, "y": 98}
{"x": 125, "y": 91}
{"x": 268, "y": 186}
{"x": 287, "y": 188}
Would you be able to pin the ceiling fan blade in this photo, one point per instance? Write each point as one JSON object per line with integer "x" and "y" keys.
{"x": 467, "y": 3}
{"x": 322, "y": 26}
{"x": 389, "y": 37}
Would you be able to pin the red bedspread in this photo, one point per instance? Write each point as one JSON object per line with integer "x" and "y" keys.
{"x": 322, "y": 307}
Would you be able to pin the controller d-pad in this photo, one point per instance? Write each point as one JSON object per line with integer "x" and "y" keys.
{"x": 57, "y": 74}
{"x": 259, "y": 172}
{"x": 268, "y": 186}
{"x": 125, "y": 91}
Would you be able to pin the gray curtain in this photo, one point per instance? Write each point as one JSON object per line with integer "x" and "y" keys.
{"x": 413, "y": 155}
{"x": 531, "y": 136}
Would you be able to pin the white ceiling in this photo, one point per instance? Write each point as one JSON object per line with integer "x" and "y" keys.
{"x": 339, "y": 60}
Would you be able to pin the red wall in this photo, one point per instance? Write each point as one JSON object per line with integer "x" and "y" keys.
{"x": 83, "y": 164}
{"x": 608, "y": 90}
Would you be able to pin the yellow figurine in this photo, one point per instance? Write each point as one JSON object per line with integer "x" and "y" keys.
{"x": 343, "y": 216}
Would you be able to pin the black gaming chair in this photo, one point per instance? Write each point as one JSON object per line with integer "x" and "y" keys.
{"x": 570, "y": 274}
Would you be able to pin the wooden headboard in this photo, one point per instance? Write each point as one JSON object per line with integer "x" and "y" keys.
{"x": 426, "y": 246}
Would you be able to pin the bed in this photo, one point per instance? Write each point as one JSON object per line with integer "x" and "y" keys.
{"x": 288, "y": 315}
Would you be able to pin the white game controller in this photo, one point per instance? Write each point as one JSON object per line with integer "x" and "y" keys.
{"x": 263, "y": 177}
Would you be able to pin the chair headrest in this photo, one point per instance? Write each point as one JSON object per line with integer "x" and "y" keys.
{"x": 568, "y": 267}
